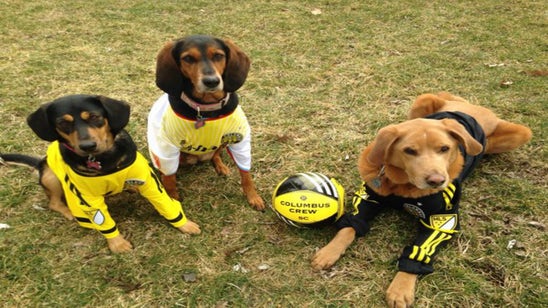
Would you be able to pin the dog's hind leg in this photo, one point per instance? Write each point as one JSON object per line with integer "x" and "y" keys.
{"x": 424, "y": 105}
{"x": 217, "y": 162}
{"x": 507, "y": 136}
{"x": 54, "y": 191}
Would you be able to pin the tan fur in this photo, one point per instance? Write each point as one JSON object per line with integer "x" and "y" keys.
{"x": 420, "y": 157}
{"x": 192, "y": 67}
{"x": 100, "y": 135}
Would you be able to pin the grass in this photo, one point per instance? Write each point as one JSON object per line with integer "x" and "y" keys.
{"x": 319, "y": 89}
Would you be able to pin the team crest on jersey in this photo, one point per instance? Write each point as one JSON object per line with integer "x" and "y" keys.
{"x": 444, "y": 222}
{"x": 133, "y": 182}
{"x": 231, "y": 138}
{"x": 414, "y": 210}
{"x": 98, "y": 218}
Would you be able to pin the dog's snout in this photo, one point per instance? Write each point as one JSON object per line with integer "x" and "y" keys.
{"x": 88, "y": 146}
{"x": 211, "y": 81}
{"x": 435, "y": 180}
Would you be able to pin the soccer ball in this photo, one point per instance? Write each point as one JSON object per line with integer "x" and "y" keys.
{"x": 309, "y": 200}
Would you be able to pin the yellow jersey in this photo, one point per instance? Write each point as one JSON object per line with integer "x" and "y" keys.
{"x": 85, "y": 195}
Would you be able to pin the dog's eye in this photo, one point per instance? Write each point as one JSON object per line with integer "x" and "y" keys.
{"x": 218, "y": 57}
{"x": 188, "y": 59}
{"x": 95, "y": 119}
{"x": 64, "y": 126}
{"x": 410, "y": 151}
{"x": 444, "y": 149}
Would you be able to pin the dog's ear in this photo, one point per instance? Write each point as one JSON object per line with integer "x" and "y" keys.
{"x": 40, "y": 124}
{"x": 237, "y": 66}
{"x": 117, "y": 113}
{"x": 471, "y": 145}
{"x": 168, "y": 74}
{"x": 381, "y": 145}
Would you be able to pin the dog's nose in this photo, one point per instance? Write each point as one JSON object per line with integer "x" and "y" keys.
{"x": 88, "y": 146}
{"x": 435, "y": 180}
{"x": 211, "y": 81}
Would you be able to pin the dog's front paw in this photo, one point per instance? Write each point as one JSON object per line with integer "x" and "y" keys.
{"x": 332, "y": 252}
{"x": 325, "y": 258}
{"x": 170, "y": 185}
{"x": 401, "y": 292}
{"x": 119, "y": 244}
{"x": 256, "y": 202}
{"x": 190, "y": 227}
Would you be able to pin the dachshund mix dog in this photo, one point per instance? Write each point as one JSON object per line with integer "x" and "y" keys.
{"x": 199, "y": 116}
{"x": 418, "y": 166}
{"x": 91, "y": 156}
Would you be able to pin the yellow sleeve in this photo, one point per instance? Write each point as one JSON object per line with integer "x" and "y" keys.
{"x": 97, "y": 213}
{"x": 152, "y": 189}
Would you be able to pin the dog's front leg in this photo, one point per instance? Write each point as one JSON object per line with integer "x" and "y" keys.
{"x": 401, "y": 292}
{"x": 250, "y": 192}
{"x": 330, "y": 253}
{"x": 119, "y": 244}
{"x": 170, "y": 184}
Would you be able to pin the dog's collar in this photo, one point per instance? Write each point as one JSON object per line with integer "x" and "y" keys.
{"x": 91, "y": 163}
{"x": 205, "y": 107}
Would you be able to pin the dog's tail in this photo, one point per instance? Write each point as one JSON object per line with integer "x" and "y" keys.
{"x": 20, "y": 159}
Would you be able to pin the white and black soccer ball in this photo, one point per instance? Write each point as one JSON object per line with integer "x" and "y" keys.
{"x": 308, "y": 199}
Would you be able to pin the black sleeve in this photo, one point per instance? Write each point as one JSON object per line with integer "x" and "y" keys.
{"x": 364, "y": 211}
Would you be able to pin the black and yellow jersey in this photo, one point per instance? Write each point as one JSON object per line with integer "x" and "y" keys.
{"x": 437, "y": 214}
{"x": 85, "y": 195}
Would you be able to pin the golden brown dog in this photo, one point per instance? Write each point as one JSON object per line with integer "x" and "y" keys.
{"x": 199, "y": 115}
{"x": 418, "y": 166}
{"x": 91, "y": 156}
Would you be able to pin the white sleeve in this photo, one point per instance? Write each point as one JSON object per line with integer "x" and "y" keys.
{"x": 241, "y": 152}
{"x": 164, "y": 154}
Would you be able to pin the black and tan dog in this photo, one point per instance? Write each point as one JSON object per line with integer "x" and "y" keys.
{"x": 418, "y": 166}
{"x": 200, "y": 115}
{"x": 91, "y": 156}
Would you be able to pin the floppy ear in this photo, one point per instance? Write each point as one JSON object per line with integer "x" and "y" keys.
{"x": 40, "y": 124}
{"x": 471, "y": 145}
{"x": 237, "y": 66}
{"x": 117, "y": 113}
{"x": 168, "y": 75}
{"x": 381, "y": 145}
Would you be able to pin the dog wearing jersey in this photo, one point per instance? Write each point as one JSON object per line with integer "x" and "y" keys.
{"x": 91, "y": 156}
{"x": 199, "y": 114}
{"x": 418, "y": 166}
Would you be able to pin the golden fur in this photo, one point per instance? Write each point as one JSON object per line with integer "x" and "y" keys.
{"x": 420, "y": 157}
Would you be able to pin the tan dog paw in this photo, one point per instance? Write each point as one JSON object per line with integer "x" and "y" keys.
{"x": 326, "y": 257}
{"x": 63, "y": 209}
{"x": 119, "y": 244}
{"x": 330, "y": 253}
{"x": 401, "y": 292}
{"x": 255, "y": 201}
{"x": 190, "y": 227}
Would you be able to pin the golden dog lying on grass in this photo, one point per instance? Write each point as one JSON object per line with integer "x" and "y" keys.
{"x": 418, "y": 166}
